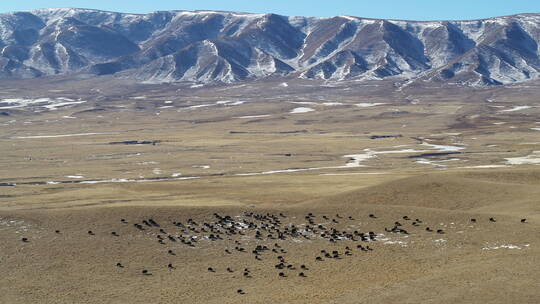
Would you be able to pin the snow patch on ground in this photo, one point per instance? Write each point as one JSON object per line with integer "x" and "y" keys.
{"x": 148, "y": 163}
{"x": 509, "y": 246}
{"x": 47, "y": 103}
{"x": 301, "y": 110}
{"x": 19, "y": 225}
{"x": 401, "y": 243}
{"x": 56, "y": 106}
{"x": 397, "y": 151}
{"x": 353, "y": 162}
{"x": 531, "y": 159}
{"x": 201, "y": 166}
{"x": 517, "y": 108}
{"x": 356, "y": 159}
{"x": 444, "y": 148}
{"x": 368, "y": 104}
{"x": 424, "y": 161}
{"x": 125, "y": 180}
{"x": 230, "y": 102}
{"x": 200, "y": 106}
{"x": 218, "y": 103}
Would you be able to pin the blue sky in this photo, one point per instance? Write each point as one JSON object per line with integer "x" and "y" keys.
{"x": 390, "y": 9}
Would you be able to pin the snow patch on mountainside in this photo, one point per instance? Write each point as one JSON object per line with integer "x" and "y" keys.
{"x": 224, "y": 47}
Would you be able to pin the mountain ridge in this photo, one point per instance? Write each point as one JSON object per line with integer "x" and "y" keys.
{"x": 215, "y": 46}
{"x": 251, "y": 13}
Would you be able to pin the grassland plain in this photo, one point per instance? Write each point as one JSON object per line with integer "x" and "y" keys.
{"x": 171, "y": 153}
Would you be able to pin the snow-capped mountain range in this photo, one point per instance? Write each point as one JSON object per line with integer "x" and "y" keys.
{"x": 214, "y": 46}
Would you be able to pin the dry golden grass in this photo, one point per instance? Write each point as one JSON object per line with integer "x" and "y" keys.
{"x": 226, "y": 154}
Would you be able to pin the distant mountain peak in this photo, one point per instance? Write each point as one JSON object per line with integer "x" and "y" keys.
{"x": 215, "y": 46}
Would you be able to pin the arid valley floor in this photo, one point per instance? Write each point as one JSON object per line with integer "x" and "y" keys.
{"x": 237, "y": 176}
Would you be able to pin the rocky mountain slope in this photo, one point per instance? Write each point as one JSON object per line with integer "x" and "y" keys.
{"x": 211, "y": 46}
